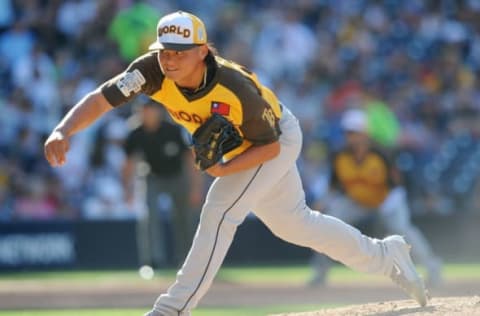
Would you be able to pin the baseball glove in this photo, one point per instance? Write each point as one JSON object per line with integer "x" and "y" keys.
{"x": 213, "y": 139}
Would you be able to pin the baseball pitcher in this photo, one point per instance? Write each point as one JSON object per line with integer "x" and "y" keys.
{"x": 258, "y": 173}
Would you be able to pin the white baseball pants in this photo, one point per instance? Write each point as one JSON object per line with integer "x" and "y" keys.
{"x": 394, "y": 215}
{"x": 273, "y": 191}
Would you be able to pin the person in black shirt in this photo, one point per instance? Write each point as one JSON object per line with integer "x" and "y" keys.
{"x": 162, "y": 147}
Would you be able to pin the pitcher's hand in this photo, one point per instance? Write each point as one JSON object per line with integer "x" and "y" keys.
{"x": 56, "y": 148}
{"x": 217, "y": 170}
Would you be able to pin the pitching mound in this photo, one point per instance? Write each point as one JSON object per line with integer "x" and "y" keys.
{"x": 451, "y": 306}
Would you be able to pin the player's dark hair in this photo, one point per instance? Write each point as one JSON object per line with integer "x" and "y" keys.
{"x": 212, "y": 49}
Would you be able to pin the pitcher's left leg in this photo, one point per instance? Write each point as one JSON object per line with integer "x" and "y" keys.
{"x": 227, "y": 203}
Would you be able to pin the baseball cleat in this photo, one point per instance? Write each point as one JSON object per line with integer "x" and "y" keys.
{"x": 403, "y": 271}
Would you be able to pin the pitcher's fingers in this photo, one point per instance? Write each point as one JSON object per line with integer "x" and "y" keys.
{"x": 66, "y": 145}
{"x": 59, "y": 153}
{"x": 49, "y": 155}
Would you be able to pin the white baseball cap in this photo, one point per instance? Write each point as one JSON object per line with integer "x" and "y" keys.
{"x": 354, "y": 120}
{"x": 179, "y": 31}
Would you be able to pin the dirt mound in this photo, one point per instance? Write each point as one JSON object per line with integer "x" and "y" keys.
{"x": 451, "y": 306}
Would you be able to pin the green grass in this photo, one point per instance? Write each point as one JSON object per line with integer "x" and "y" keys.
{"x": 285, "y": 274}
{"x": 85, "y": 276}
{"x": 462, "y": 271}
{"x": 293, "y": 274}
{"x": 298, "y": 274}
{"x": 262, "y": 311}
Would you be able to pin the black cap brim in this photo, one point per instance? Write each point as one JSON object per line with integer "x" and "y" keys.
{"x": 172, "y": 46}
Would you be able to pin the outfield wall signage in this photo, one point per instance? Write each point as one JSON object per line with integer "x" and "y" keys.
{"x": 37, "y": 249}
{"x": 73, "y": 244}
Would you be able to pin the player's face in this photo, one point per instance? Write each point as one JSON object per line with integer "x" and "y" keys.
{"x": 184, "y": 67}
{"x": 151, "y": 116}
{"x": 357, "y": 139}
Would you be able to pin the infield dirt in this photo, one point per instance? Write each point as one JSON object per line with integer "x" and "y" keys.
{"x": 443, "y": 306}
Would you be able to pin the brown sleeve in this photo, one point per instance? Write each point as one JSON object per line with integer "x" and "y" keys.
{"x": 260, "y": 125}
{"x": 143, "y": 75}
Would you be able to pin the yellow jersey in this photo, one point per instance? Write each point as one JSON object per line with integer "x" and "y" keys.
{"x": 367, "y": 182}
{"x": 230, "y": 90}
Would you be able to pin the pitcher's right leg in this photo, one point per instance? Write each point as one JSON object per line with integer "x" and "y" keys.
{"x": 284, "y": 211}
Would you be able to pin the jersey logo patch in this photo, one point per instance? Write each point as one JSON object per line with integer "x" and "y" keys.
{"x": 269, "y": 117}
{"x": 220, "y": 108}
{"x": 131, "y": 82}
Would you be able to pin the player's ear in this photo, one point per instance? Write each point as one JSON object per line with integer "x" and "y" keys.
{"x": 203, "y": 51}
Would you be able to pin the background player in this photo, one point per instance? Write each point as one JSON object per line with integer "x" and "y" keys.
{"x": 364, "y": 187}
{"x": 183, "y": 73}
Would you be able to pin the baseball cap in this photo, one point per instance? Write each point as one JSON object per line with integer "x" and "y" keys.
{"x": 179, "y": 31}
{"x": 354, "y": 120}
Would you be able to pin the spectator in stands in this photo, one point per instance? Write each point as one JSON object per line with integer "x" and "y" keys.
{"x": 131, "y": 29}
{"x": 425, "y": 52}
{"x": 74, "y": 16}
{"x": 16, "y": 43}
{"x": 105, "y": 199}
{"x": 34, "y": 203}
{"x": 6, "y": 208}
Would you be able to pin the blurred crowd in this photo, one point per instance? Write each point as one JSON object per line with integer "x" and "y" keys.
{"x": 412, "y": 65}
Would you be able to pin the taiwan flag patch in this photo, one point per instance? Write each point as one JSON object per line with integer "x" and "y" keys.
{"x": 220, "y": 108}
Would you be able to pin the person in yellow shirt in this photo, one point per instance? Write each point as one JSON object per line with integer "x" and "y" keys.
{"x": 364, "y": 186}
{"x": 184, "y": 74}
